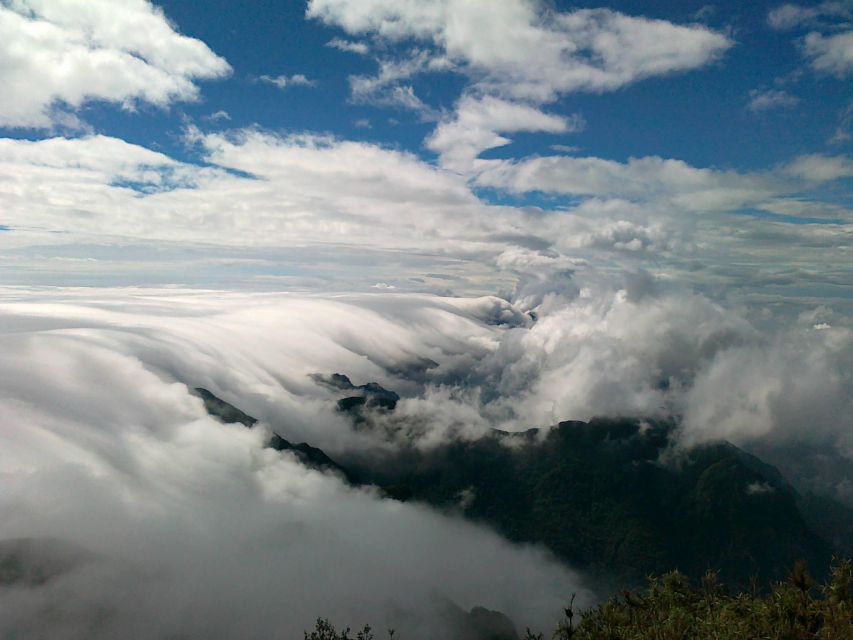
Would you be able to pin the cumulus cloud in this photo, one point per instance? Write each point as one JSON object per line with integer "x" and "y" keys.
{"x": 266, "y": 191}
{"x": 819, "y": 168}
{"x": 828, "y": 47}
{"x": 517, "y": 52}
{"x": 522, "y": 51}
{"x": 475, "y": 125}
{"x": 56, "y": 56}
{"x": 791, "y": 390}
{"x": 830, "y": 54}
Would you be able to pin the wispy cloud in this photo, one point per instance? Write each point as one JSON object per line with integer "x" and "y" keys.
{"x": 284, "y": 81}
{"x": 350, "y": 46}
{"x": 768, "y": 99}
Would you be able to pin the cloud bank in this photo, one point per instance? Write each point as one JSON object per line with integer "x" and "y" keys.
{"x": 196, "y": 529}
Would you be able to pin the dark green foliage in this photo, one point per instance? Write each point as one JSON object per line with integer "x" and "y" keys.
{"x": 324, "y": 630}
{"x": 611, "y": 497}
{"x": 672, "y": 608}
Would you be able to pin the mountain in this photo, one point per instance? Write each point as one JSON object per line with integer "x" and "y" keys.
{"x": 308, "y": 455}
{"x": 615, "y": 497}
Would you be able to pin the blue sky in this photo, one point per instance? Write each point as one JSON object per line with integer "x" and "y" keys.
{"x": 700, "y": 116}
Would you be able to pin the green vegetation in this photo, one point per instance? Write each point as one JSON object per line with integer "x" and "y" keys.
{"x": 617, "y": 499}
{"x": 671, "y": 608}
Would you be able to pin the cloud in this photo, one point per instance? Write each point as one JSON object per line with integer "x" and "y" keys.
{"x": 819, "y": 168}
{"x": 197, "y": 529}
{"x": 829, "y": 46}
{"x": 666, "y": 182}
{"x": 56, "y": 56}
{"x": 348, "y": 45}
{"x": 642, "y": 346}
{"x": 787, "y": 391}
{"x": 767, "y": 99}
{"x": 518, "y": 50}
{"x": 475, "y": 125}
{"x": 306, "y": 211}
{"x": 830, "y": 54}
{"x": 101, "y": 173}
{"x": 282, "y": 82}
{"x": 388, "y": 87}
{"x": 106, "y": 448}
{"x": 217, "y": 116}
{"x": 844, "y": 127}
{"x": 649, "y": 178}
{"x": 792, "y": 16}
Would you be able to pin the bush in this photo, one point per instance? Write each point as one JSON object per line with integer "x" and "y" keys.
{"x": 671, "y": 608}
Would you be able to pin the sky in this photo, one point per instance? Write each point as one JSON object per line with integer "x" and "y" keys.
{"x": 708, "y": 140}
{"x": 511, "y": 213}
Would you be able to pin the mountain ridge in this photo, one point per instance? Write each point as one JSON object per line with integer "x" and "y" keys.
{"x": 614, "y": 497}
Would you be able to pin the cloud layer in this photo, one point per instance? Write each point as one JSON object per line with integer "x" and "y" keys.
{"x": 197, "y": 530}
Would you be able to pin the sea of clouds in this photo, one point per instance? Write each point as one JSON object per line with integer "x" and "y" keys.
{"x": 197, "y": 530}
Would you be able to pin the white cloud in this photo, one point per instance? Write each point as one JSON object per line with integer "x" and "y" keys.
{"x": 315, "y": 212}
{"x": 666, "y": 182}
{"x": 789, "y": 390}
{"x": 282, "y": 81}
{"x": 519, "y": 50}
{"x": 646, "y": 179}
{"x": 565, "y": 148}
{"x": 303, "y": 189}
{"x": 830, "y": 54}
{"x": 791, "y": 16}
{"x": 58, "y": 55}
{"x": 844, "y": 127}
{"x": 766, "y": 99}
{"x": 475, "y": 125}
{"x": 217, "y": 116}
{"x": 119, "y": 458}
{"x": 819, "y": 168}
{"x": 360, "y": 48}
{"x": 388, "y": 87}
